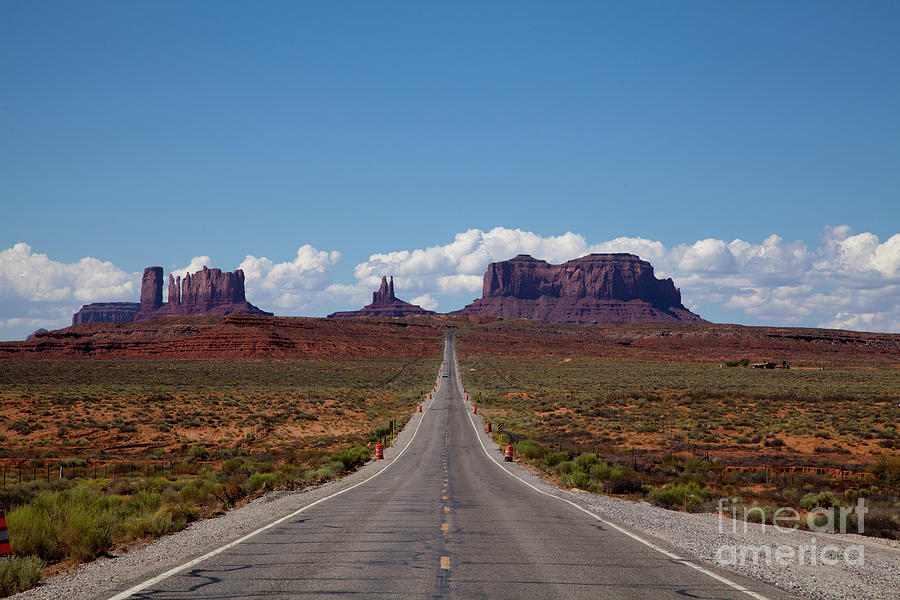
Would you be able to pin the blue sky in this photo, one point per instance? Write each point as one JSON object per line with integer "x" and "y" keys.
{"x": 147, "y": 133}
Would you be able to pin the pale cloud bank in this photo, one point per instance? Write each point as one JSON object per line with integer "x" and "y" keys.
{"x": 848, "y": 281}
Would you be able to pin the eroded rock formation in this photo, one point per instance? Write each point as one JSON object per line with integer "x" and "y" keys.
{"x": 206, "y": 292}
{"x": 597, "y": 288}
{"x": 107, "y": 312}
{"x": 384, "y": 304}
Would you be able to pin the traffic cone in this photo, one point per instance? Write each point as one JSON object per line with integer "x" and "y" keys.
{"x": 420, "y": 408}
{"x": 507, "y": 456}
{"x": 379, "y": 452}
{"x": 487, "y": 427}
{"x": 5, "y": 549}
{"x": 474, "y": 410}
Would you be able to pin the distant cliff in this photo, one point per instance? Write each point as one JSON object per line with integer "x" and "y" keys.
{"x": 384, "y": 304}
{"x": 206, "y": 292}
{"x": 107, "y": 312}
{"x": 597, "y": 288}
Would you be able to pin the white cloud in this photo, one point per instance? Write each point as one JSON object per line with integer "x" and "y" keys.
{"x": 32, "y": 277}
{"x": 295, "y": 285}
{"x": 459, "y": 266}
{"x": 196, "y": 264}
{"x": 36, "y": 291}
{"x": 772, "y": 281}
{"x": 426, "y": 301}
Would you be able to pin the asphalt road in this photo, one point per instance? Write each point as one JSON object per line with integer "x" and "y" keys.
{"x": 444, "y": 522}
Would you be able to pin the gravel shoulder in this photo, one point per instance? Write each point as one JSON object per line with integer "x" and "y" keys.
{"x": 872, "y": 573}
{"x": 107, "y": 576}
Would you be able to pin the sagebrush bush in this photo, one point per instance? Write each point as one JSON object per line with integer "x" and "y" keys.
{"x": 602, "y": 471}
{"x": 352, "y": 457}
{"x": 531, "y": 449}
{"x": 19, "y": 574}
{"x": 680, "y": 495}
{"x": 820, "y": 500}
{"x": 554, "y": 458}
{"x": 586, "y": 461}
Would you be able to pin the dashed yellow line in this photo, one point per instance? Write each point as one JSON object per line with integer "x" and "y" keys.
{"x": 445, "y": 562}
{"x": 445, "y": 528}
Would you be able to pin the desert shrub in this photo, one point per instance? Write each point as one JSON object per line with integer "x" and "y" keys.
{"x": 680, "y": 495}
{"x": 887, "y": 470}
{"x": 605, "y": 472}
{"x": 554, "y": 458}
{"x": 586, "y": 461}
{"x": 774, "y": 443}
{"x": 32, "y": 533}
{"x": 567, "y": 466}
{"x": 198, "y": 453}
{"x": 19, "y": 574}
{"x": 820, "y": 500}
{"x": 624, "y": 484}
{"x": 352, "y": 457}
{"x": 758, "y": 514}
{"x": 530, "y": 449}
{"x": 578, "y": 479}
{"x": 880, "y": 523}
{"x": 377, "y": 434}
{"x": 233, "y": 465}
{"x": 261, "y": 480}
{"x": 74, "y": 523}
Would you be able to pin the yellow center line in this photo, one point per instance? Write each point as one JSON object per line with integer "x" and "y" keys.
{"x": 445, "y": 562}
{"x": 445, "y": 528}
{"x": 446, "y": 509}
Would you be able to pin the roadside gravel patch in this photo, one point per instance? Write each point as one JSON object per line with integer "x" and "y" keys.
{"x": 107, "y": 576}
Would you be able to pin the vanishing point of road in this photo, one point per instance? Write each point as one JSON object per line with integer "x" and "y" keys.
{"x": 443, "y": 521}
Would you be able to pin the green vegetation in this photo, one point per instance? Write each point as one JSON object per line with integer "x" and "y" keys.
{"x": 80, "y": 519}
{"x": 19, "y": 574}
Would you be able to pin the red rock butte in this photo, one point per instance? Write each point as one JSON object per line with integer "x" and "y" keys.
{"x": 206, "y": 292}
{"x": 597, "y": 288}
{"x": 384, "y": 304}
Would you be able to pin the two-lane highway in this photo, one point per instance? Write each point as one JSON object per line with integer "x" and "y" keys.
{"x": 443, "y": 521}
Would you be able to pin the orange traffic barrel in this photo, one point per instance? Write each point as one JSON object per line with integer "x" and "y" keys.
{"x": 507, "y": 456}
{"x": 429, "y": 396}
{"x": 487, "y": 427}
{"x": 420, "y": 408}
{"x": 474, "y": 410}
{"x": 5, "y": 549}
{"x": 379, "y": 452}
{"x": 467, "y": 397}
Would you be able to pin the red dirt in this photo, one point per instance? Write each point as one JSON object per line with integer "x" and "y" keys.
{"x": 690, "y": 342}
{"x": 241, "y": 336}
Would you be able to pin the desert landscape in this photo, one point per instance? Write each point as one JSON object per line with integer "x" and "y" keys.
{"x": 146, "y": 425}
{"x": 678, "y": 415}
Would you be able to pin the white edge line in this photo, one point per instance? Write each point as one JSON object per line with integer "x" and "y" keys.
{"x": 649, "y": 544}
{"x": 175, "y": 570}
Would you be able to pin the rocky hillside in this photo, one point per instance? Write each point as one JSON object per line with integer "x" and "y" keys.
{"x": 597, "y": 288}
